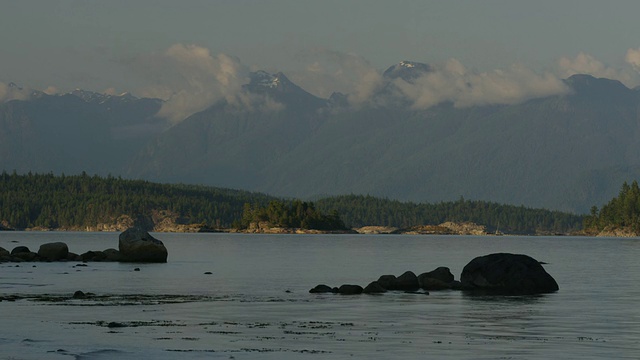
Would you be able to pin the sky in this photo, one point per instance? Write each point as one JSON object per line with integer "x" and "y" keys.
{"x": 172, "y": 49}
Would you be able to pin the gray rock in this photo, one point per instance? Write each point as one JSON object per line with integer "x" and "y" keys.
{"x": 348, "y": 289}
{"x": 136, "y": 245}
{"x": 322, "y": 289}
{"x": 24, "y": 256}
{"x": 428, "y": 283}
{"x": 73, "y": 257}
{"x": 112, "y": 255}
{"x": 53, "y": 251}
{"x": 509, "y": 274}
{"x": 5, "y": 255}
{"x": 93, "y": 256}
{"x": 387, "y": 281}
{"x": 374, "y": 288}
{"x": 20, "y": 249}
{"x": 442, "y": 273}
{"x": 438, "y": 279}
{"x": 407, "y": 282}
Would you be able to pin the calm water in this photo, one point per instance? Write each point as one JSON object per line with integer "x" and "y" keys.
{"x": 256, "y": 305}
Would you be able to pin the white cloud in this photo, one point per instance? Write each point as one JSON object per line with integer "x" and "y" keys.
{"x": 453, "y": 82}
{"x": 51, "y": 90}
{"x": 633, "y": 58}
{"x": 587, "y": 64}
{"x": 11, "y": 92}
{"x": 191, "y": 79}
{"x": 334, "y": 71}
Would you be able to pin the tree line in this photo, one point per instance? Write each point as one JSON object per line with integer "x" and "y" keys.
{"x": 621, "y": 212}
{"x": 362, "y": 210}
{"x": 80, "y": 201}
{"x": 291, "y": 214}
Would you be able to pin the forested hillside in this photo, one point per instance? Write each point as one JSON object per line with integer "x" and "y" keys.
{"x": 357, "y": 211}
{"x": 82, "y": 202}
{"x": 622, "y": 213}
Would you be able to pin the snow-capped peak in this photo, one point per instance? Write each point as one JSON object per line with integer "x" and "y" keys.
{"x": 407, "y": 64}
{"x": 407, "y": 70}
{"x": 262, "y": 78}
{"x": 90, "y": 96}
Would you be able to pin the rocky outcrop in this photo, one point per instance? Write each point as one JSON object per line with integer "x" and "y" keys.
{"x": 495, "y": 274}
{"x": 375, "y": 230}
{"x": 55, "y": 251}
{"x": 137, "y": 245}
{"x": 509, "y": 274}
{"x": 465, "y": 228}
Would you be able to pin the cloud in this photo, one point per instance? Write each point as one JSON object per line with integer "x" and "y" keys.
{"x": 334, "y": 71}
{"x": 587, "y": 64}
{"x": 330, "y": 71}
{"x": 13, "y": 92}
{"x": 51, "y": 90}
{"x": 191, "y": 79}
{"x": 633, "y": 58}
{"x": 453, "y": 82}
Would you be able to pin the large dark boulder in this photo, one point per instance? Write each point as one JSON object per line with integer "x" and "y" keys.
{"x": 508, "y": 274}
{"x": 136, "y": 245}
{"x": 53, "y": 251}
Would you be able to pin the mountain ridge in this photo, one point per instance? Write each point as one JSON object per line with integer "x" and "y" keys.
{"x": 564, "y": 152}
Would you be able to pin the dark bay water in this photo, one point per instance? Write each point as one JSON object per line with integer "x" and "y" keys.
{"x": 256, "y": 305}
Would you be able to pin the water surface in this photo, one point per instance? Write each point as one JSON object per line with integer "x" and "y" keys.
{"x": 255, "y": 303}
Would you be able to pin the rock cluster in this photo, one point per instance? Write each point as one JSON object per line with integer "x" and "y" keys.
{"x": 496, "y": 274}
{"x": 134, "y": 245}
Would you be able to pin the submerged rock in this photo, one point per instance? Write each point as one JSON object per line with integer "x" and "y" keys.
{"x": 137, "y": 245}
{"x": 510, "y": 274}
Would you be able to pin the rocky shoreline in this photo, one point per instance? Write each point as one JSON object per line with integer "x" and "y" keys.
{"x": 134, "y": 245}
{"x": 493, "y": 274}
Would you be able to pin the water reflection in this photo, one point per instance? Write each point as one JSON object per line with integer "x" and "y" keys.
{"x": 493, "y": 298}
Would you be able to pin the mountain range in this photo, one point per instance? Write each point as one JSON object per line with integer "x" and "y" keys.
{"x": 564, "y": 152}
